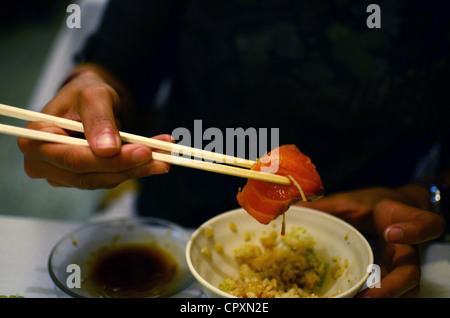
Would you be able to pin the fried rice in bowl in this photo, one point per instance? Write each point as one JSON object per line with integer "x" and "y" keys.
{"x": 319, "y": 255}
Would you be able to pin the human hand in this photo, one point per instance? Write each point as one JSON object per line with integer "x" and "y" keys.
{"x": 401, "y": 228}
{"x": 105, "y": 163}
{"x": 398, "y": 228}
{"x": 356, "y": 206}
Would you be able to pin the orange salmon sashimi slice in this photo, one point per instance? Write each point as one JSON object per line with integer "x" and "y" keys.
{"x": 265, "y": 201}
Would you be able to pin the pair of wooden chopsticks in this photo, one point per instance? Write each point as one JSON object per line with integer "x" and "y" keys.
{"x": 225, "y": 164}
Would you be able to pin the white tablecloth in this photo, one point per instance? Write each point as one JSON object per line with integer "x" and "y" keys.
{"x": 25, "y": 245}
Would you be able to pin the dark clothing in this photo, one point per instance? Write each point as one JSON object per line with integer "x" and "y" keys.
{"x": 364, "y": 104}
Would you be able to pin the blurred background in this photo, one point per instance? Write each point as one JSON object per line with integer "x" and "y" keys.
{"x": 28, "y": 32}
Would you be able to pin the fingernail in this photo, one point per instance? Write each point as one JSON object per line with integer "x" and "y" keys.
{"x": 141, "y": 155}
{"x": 158, "y": 169}
{"x": 393, "y": 234}
{"x": 106, "y": 141}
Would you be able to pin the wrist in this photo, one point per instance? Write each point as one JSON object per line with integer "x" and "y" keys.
{"x": 418, "y": 194}
{"x": 438, "y": 191}
{"x": 71, "y": 77}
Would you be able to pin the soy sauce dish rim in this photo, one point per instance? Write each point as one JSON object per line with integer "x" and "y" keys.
{"x": 179, "y": 235}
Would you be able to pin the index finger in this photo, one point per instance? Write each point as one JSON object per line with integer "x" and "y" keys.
{"x": 81, "y": 159}
{"x": 406, "y": 224}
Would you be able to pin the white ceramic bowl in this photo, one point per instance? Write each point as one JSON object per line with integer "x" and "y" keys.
{"x": 333, "y": 237}
{"x": 79, "y": 246}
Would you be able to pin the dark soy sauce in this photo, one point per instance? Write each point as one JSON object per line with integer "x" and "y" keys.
{"x": 130, "y": 270}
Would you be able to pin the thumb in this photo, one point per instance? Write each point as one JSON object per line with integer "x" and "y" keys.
{"x": 99, "y": 120}
{"x": 404, "y": 224}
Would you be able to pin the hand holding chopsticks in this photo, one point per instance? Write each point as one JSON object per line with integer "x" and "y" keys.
{"x": 174, "y": 149}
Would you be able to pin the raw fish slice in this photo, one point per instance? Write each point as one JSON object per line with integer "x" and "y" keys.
{"x": 266, "y": 201}
{"x": 256, "y": 204}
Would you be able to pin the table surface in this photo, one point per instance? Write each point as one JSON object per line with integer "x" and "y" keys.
{"x": 25, "y": 244}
